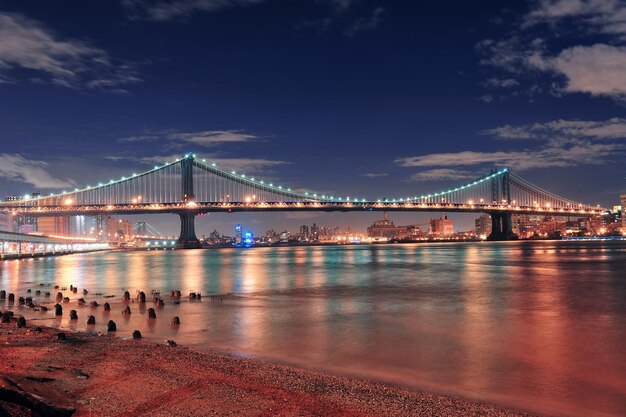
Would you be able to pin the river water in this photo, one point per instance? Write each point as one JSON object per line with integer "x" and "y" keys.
{"x": 536, "y": 325}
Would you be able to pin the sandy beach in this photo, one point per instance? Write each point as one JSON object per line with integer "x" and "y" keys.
{"x": 105, "y": 375}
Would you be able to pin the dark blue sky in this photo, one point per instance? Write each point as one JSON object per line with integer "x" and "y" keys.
{"x": 354, "y": 97}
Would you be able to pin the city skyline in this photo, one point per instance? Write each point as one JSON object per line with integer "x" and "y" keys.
{"x": 308, "y": 103}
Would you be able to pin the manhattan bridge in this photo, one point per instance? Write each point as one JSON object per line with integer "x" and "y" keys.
{"x": 190, "y": 186}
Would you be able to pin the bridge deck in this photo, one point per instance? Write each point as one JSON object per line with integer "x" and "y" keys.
{"x": 228, "y": 207}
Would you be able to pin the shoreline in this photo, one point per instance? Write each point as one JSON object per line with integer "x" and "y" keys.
{"x": 109, "y": 375}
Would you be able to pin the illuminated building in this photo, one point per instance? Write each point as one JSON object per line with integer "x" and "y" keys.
{"x": 386, "y": 229}
{"x": 118, "y": 229}
{"x": 623, "y": 201}
{"x": 6, "y": 222}
{"x": 22, "y": 224}
{"x": 483, "y": 226}
{"x": 442, "y": 226}
{"x": 54, "y": 225}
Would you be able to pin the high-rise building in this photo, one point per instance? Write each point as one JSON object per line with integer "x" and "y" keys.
{"x": 483, "y": 226}
{"x": 54, "y": 225}
{"x": 442, "y": 226}
{"x": 22, "y": 224}
{"x": 304, "y": 232}
{"x": 6, "y": 222}
{"x": 623, "y": 200}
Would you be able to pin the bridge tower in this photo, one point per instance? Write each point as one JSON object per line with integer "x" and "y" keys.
{"x": 501, "y": 223}
{"x": 187, "y": 238}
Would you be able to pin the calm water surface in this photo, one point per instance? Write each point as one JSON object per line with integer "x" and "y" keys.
{"x": 538, "y": 325}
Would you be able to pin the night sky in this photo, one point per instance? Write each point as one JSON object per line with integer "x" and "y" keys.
{"x": 349, "y": 97}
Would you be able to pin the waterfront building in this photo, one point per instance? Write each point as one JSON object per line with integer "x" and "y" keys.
{"x": 23, "y": 224}
{"x": 442, "y": 226}
{"x": 483, "y": 226}
{"x": 118, "y": 230}
{"x": 54, "y": 225}
{"x": 623, "y": 201}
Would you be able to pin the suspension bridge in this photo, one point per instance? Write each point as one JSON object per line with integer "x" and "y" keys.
{"x": 190, "y": 186}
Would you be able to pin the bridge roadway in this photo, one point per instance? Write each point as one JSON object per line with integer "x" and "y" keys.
{"x": 231, "y": 207}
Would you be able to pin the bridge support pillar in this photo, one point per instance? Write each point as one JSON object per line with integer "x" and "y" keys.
{"x": 501, "y": 227}
{"x": 187, "y": 238}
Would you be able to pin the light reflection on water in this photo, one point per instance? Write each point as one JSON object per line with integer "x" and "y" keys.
{"x": 540, "y": 325}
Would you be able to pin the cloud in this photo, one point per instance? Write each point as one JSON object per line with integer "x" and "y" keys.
{"x": 496, "y": 82}
{"x": 556, "y": 153}
{"x": 366, "y": 23}
{"x": 202, "y": 138}
{"x": 559, "y": 39}
{"x": 602, "y": 16}
{"x": 614, "y": 128}
{"x": 161, "y": 10}
{"x": 439, "y": 174}
{"x": 15, "y": 167}
{"x": 599, "y": 70}
{"x": 375, "y": 175}
{"x": 28, "y": 44}
{"x": 243, "y": 165}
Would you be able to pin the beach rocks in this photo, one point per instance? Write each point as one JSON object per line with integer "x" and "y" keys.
{"x": 47, "y": 294}
{"x": 81, "y": 302}
{"x": 66, "y": 300}
{"x": 11, "y": 297}
{"x": 21, "y": 322}
{"x": 175, "y": 294}
{"x": 170, "y": 343}
{"x": 136, "y": 334}
{"x": 21, "y": 301}
{"x": 58, "y": 310}
{"x": 43, "y": 308}
{"x": 29, "y": 291}
{"x": 73, "y": 315}
{"x": 93, "y": 304}
{"x": 193, "y": 295}
{"x": 175, "y": 321}
{"x": 141, "y": 297}
{"x": 126, "y": 297}
{"x": 126, "y": 311}
{"x": 85, "y": 292}
{"x": 6, "y": 317}
{"x": 59, "y": 297}
{"x": 38, "y": 292}
{"x": 111, "y": 326}
{"x": 106, "y": 307}
{"x": 91, "y": 320}
{"x": 160, "y": 303}
{"x": 3, "y": 295}
{"x": 151, "y": 313}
